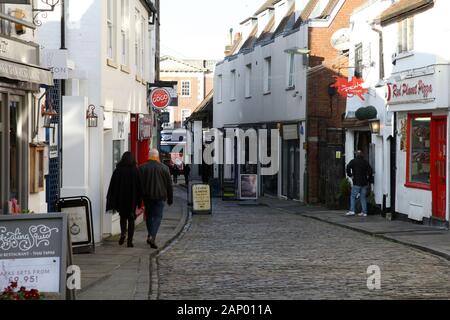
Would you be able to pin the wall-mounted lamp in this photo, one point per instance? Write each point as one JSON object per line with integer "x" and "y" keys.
{"x": 375, "y": 126}
{"x": 48, "y": 116}
{"x": 91, "y": 117}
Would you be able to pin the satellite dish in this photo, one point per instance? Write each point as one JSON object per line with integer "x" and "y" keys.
{"x": 341, "y": 39}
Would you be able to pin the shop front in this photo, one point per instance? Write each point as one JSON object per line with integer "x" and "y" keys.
{"x": 141, "y": 134}
{"x": 20, "y": 78}
{"x": 420, "y": 101}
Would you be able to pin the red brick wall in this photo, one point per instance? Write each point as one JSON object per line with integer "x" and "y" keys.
{"x": 325, "y": 111}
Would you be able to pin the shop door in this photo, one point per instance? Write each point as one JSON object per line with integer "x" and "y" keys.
{"x": 439, "y": 165}
{"x": 291, "y": 169}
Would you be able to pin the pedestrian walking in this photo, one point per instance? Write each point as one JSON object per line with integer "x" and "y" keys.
{"x": 176, "y": 173}
{"x": 187, "y": 173}
{"x": 124, "y": 196}
{"x": 361, "y": 172}
{"x": 156, "y": 186}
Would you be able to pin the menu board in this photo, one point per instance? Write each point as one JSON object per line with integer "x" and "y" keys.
{"x": 33, "y": 252}
{"x": 201, "y": 198}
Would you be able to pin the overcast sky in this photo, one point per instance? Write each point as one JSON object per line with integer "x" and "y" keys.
{"x": 198, "y": 29}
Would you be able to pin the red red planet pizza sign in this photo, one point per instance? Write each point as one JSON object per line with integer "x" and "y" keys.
{"x": 160, "y": 98}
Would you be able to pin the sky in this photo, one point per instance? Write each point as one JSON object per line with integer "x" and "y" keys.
{"x": 198, "y": 29}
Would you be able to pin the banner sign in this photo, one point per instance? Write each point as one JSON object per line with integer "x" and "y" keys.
{"x": 145, "y": 123}
{"x": 350, "y": 89}
{"x": 411, "y": 90}
{"x": 33, "y": 252}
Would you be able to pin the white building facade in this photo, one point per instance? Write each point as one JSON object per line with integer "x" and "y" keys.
{"x": 262, "y": 85}
{"x": 110, "y": 49}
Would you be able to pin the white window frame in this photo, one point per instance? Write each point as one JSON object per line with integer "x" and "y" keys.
{"x": 291, "y": 70}
{"x": 143, "y": 46}
{"x": 183, "y": 119}
{"x": 125, "y": 31}
{"x": 137, "y": 40}
{"x": 233, "y": 85}
{"x": 111, "y": 26}
{"x": 267, "y": 77}
{"x": 185, "y": 91}
{"x": 405, "y": 42}
{"x": 248, "y": 80}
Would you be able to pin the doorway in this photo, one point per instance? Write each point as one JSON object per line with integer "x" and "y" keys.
{"x": 439, "y": 166}
{"x": 291, "y": 169}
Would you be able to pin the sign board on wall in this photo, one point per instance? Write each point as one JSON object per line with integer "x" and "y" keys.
{"x": 172, "y": 95}
{"x": 417, "y": 89}
{"x": 145, "y": 126}
{"x": 290, "y": 132}
{"x": 33, "y": 252}
{"x": 119, "y": 120}
{"x": 57, "y": 62}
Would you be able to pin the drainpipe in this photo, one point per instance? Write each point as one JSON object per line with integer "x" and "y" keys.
{"x": 63, "y": 90}
{"x": 380, "y": 51}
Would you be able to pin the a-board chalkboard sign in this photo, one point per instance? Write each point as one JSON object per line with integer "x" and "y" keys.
{"x": 34, "y": 250}
{"x": 201, "y": 198}
{"x": 79, "y": 214}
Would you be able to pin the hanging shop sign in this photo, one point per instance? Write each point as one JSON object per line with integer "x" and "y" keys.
{"x": 33, "y": 252}
{"x": 57, "y": 61}
{"x": 201, "y": 199}
{"x": 160, "y": 98}
{"x": 145, "y": 123}
{"x": 352, "y": 88}
{"x": 248, "y": 186}
{"x": 411, "y": 90}
{"x": 290, "y": 132}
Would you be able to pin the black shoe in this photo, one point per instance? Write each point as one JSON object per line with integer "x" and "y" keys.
{"x": 122, "y": 240}
{"x": 130, "y": 244}
{"x": 152, "y": 243}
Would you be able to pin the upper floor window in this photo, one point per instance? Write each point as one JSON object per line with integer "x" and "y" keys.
{"x": 267, "y": 74}
{"x": 291, "y": 70}
{"x": 111, "y": 24}
{"x": 142, "y": 33}
{"x": 185, "y": 113}
{"x": 137, "y": 41}
{"x": 124, "y": 30}
{"x": 185, "y": 88}
{"x": 233, "y": 85}
{"x": 359, "y": 60}
{"x": 248, "y": 81}
{"x": 406, "y": 35}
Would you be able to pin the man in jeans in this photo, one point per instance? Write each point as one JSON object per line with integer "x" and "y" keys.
{"x": 361, "y": 172}
{"x": 156, "y": 186}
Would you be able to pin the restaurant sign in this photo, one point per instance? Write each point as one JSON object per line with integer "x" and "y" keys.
{"x": 411, "y": 90}
{"x": 349, "y": 89}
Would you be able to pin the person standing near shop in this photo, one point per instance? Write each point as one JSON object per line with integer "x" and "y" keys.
{"x": 124, "y": 196}
{"x": 361, "y": 172}
{"x": 187, "y": 172}
{"x": 156, "y": 186}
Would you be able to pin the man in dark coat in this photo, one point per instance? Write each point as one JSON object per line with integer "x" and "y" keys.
{"x": 124, "y": 195}
{"x": 361, "y": 172}
{"x": 156, "y": 186}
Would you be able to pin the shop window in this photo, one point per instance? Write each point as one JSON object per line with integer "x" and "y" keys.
{"x": 419, "y": 151}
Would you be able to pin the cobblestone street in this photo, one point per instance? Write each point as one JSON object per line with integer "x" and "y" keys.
{"x": 254, "y": 252}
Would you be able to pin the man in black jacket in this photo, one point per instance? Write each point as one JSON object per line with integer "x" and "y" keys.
{"x": 361, "y": 172}
{"x": 156, "y": 188}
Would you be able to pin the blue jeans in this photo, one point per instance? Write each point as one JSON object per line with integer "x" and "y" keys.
{"x": 363, "y": 192}
{"x": 154, "y": 210}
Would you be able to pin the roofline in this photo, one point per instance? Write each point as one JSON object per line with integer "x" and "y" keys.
{"x": 249, "y": 18}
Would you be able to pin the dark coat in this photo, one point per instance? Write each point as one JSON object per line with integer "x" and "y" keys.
{"x": 361, "y": 171}
{"x": 124, "y": 193}
{"x": 156, "y": 183}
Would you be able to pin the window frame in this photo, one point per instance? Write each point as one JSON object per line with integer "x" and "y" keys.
{"x": 125, "y": 32}
{"x": 233, "y": 80}
{"x": 189, "y": 88}
{"x": 409, "y": 183}
{"x": 137, "y": 40}
{"x": 219, "y": 88}
{"x": 291, "y": 71}
{"x": 267, "y": 77}
{"x": 359, "y": 61}
{"x": 405, "y": 39}
{"x": 248, "y": 81}
{"x": 111, "y": 27}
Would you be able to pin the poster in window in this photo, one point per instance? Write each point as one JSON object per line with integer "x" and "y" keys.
{"x": 249, "y": 186}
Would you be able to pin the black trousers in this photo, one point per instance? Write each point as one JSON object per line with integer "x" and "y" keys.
{"x": 124, "y": 221}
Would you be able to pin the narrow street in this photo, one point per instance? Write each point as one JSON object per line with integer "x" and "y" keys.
{"x": 254, "y": 252}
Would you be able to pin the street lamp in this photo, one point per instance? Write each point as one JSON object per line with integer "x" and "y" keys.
{"x": 91, "y": 116}
{"x": 375, "y": 126}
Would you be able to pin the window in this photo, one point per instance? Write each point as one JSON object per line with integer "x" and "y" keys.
{"x": 291, "y": 69}
{"x": 142, "y": 34}
{"x": 406, "y": 35}
{"x": 185, "y": 88}
{"x": 359, "y": 61}
{"x": 248, "y": 80}
{"x": 233, "y": 85}
{"x": 185, "y": 113}
{"x": 419, "y": 151}
{"x": 267, "y": 74}
{"x": 111, "y": 28}
{"x": 219, "y": 88}
{"x": 124, "y": 31}
{"x": 137, "y": 41}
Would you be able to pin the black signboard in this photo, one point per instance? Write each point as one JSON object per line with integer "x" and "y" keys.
{"x": 34, "y": 251}
{"x": 79, "y": 215}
